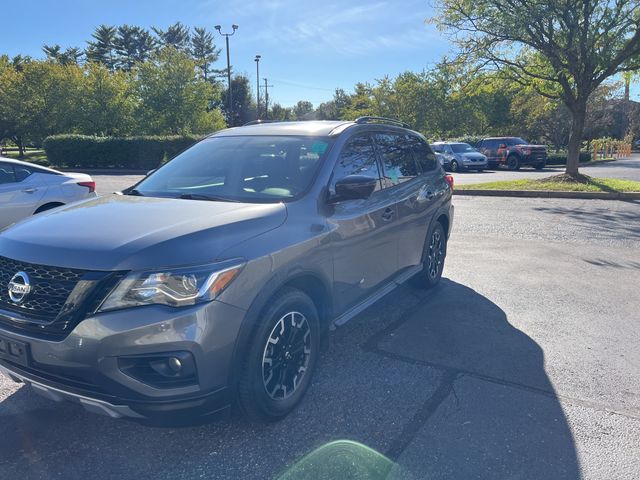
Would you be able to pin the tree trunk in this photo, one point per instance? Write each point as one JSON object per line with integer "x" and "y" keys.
{"x": 20, "y": 147}
{"x": 578, "y": 115}
{"x": 627, "y": 88}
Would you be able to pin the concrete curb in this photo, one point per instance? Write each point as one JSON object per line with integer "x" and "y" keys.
{"x": 551, "y": 194}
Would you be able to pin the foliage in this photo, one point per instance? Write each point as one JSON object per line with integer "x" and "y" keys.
{"x": 173, "y": 99}
{"x": 244, "y": 108}
{"x": 562, "y": 50}
{"x": 145, "y": 153}
{"x": 609, "y": 185}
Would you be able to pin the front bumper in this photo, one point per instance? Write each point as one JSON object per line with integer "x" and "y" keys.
{"x": 84, "y": 367}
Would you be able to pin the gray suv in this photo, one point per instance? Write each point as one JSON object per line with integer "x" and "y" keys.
{"x": 215, "y": 280}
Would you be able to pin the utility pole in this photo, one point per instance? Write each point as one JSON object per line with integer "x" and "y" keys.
{"x": 257, "y": 59}
{"x": 229, "y": 92}
{"x": 266, "y": 99}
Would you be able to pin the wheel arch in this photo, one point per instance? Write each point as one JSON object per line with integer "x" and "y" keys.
{"x": 311, "y": 283}
{"x": 48, "y": 206}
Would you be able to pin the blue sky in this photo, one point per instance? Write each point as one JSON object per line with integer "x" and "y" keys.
{"x": 308, "y": 48}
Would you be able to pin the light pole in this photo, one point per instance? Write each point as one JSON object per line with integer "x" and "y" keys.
{"x": 257, "y": 59}
{"x": 229, "y": 93}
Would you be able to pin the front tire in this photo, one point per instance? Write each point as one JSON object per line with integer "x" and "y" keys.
{"x": 281, "y": 357}
{"x": 435, "y": 252}
{"x": 453, "y": 166}
{"x": 513, "y": 162}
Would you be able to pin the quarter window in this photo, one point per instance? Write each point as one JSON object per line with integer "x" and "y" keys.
{"x": 425, "y": 158}
{"x": 397, "y": 159}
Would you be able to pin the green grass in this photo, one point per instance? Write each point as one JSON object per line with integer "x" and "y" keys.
{"x": 552, "y": 184}
{"x": 30, "y": 155}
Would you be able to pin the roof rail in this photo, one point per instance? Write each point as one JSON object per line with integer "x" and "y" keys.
{"x": 389, "y": 121}
{"x": 258, "y": 122}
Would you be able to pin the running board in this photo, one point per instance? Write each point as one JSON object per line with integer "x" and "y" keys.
{"x": 367, "y": 302}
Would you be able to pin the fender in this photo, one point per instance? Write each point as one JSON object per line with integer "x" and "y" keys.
{"x": 278, "y": 280}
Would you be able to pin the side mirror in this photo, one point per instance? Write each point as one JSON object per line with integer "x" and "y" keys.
{"x": 502, "y": 145}
{"x": 354, "y": 187}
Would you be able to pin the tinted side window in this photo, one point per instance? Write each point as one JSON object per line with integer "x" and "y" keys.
{"x": 357, "y": 158}
{"x": 21, "y": 172}
{"x": 6, "y": 173}
{"x": 397, "y": 160}
{"x": 425, "y": 158}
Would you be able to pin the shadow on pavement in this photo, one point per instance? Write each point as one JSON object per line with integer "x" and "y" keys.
{"x": 623, "y": 222}
{"x": 447, "y": 389}
{"x": 495, "y": 414}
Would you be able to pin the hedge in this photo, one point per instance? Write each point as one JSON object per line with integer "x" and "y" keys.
{"x": 144, "y": 153}
{"x": 561, "y": 158}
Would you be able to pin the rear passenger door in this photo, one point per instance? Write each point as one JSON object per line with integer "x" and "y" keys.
{"x": 411, "y": 172}
{"x": 364, "y": 240}
{"x": 20, "y": 192}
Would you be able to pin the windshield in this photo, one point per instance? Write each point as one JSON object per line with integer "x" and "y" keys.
{"x": 462, "y": 148}
{"x": 240, "y": 168}
{"x": 515, "y": 141}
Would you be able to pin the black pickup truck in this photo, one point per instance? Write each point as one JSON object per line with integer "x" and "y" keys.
{"x": 513, "y": 152}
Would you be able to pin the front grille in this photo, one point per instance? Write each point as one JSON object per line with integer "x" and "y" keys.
{"x": 50, "y": 288}
{"x": 59, "y": 299}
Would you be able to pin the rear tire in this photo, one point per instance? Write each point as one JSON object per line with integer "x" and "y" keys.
{"x": 281, "y": 358}
{"x": 540, "y": 166}
{"x": 453, "y": 166}
{"x": 433, "y": 257}
{"x": 513, "y": 162}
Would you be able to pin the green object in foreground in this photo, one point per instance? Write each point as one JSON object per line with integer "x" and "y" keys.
{"x": 593, "y": 185}
{"x": 341, "y": 460}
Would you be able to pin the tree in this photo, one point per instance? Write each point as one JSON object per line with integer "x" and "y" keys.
{"x": 303, "y": 110}
{"x": 244, "y": 108}
{"x": 107, "y": 103}
{"x": 176, "y": 36}
{"x": 173, "y": 99}
{"x": 278, "y": 112}
{"x": 102, "y": 49}
{"x": 204, "y": 50}
{"x": 70, "y": 56}
{"x": 132, "y": 45}
{"x": 562, "y": 48}
{"x": 40, "y": 100}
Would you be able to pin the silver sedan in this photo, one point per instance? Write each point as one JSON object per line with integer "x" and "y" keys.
{"x": 26, "y": 189}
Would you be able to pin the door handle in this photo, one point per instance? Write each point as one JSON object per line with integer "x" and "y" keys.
{"x": 388, "y": 214}
{"x": 30, "y": 190}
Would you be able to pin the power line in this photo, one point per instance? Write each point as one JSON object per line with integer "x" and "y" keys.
{"x": 293, "y": 84}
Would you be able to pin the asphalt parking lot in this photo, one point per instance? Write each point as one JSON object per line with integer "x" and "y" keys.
{"x": 627, "y": 169}
{"x": 523, "y": 363}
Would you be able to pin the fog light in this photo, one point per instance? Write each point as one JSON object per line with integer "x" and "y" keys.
{"x": 175, "y": 364}
{"x": 163, "y": 370}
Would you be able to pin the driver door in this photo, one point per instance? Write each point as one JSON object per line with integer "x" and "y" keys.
{"x": 363, "y": 238}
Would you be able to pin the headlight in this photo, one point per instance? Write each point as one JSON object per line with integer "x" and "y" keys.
{"x": 173, "y": 287}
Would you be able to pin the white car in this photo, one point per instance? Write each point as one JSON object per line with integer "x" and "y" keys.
{"x": 26, "y": 189}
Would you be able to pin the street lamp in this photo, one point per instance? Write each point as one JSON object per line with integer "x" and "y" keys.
{"x": 257, "y": 60}
{"x": 229, "y": 93}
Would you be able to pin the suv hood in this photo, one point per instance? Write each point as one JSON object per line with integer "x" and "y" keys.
{"x": 117, "y": 232}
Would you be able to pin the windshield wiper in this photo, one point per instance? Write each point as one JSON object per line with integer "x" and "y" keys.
{"x": 210, "y": 198}
{"x": 135, "y": 192}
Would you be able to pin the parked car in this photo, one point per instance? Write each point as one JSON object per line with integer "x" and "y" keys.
{"x": 216, "y": 278}
{"x": 514, "y": 152}
{"x": 444, "y": 163}
{"x": 26, "y": 189}
{"x": 460, "y": 156}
